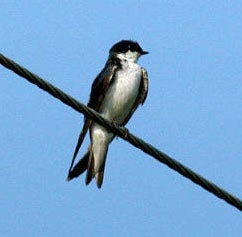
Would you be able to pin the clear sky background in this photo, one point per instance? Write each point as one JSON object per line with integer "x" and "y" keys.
{"x": 193, "y": 113}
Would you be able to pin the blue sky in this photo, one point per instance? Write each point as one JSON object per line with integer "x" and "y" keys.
{"x": 193, "y": 113}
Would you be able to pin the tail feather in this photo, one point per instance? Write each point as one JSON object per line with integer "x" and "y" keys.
{"x": 94, "y": 169}
{"x": 80, "y": 140}
{"x": 90, "y": 168}
{"x": 99, "y": 178}
{"x": 88, "y": 163}
{"x": 79, "y": 168}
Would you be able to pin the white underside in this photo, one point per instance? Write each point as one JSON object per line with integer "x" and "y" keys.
{"x": 116, "y": 105}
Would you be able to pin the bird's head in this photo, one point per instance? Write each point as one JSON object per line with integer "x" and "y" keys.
{"x": 127, "y": 50}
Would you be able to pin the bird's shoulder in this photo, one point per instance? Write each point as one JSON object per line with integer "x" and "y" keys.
{"x": 103, "y": 81}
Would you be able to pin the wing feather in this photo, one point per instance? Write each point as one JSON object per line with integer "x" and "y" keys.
{"x": 99, "y": 88}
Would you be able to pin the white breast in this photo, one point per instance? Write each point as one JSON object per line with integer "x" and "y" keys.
{"x": 122, "y": 94}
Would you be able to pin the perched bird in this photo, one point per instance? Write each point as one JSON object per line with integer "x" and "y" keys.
{"x": 116, "y": 93}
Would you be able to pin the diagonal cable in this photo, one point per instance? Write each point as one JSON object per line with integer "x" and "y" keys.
{"x": 121, "y": 132}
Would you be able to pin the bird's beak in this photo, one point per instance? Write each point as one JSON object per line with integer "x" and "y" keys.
{"x": 144, "y": 52}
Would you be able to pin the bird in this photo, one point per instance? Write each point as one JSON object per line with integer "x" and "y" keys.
{"x": 116, "y": 92}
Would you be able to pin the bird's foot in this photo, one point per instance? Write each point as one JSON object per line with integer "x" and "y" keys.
{"x": 125, "y": 131}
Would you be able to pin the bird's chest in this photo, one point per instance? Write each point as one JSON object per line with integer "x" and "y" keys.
{"x": 122, "y": 93}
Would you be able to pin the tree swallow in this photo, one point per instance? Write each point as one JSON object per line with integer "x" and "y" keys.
{"x": 116, "y": 93}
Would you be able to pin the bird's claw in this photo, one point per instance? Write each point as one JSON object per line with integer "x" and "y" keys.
{"x": 125, "y": 131}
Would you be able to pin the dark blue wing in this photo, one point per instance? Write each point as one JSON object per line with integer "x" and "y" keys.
{"x": 99, "y": 88}
{"x": 102, "y": 83}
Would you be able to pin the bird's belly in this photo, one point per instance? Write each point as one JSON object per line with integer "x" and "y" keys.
{"x": 121, "y": 96}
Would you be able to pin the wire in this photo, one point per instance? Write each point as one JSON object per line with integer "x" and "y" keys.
{"x": 122, "y": 132}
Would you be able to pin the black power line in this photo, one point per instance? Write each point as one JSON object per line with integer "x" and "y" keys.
{"x": 121, "y": 132}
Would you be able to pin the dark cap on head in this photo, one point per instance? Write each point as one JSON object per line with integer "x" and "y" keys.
{"x": 124, "y": 46}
